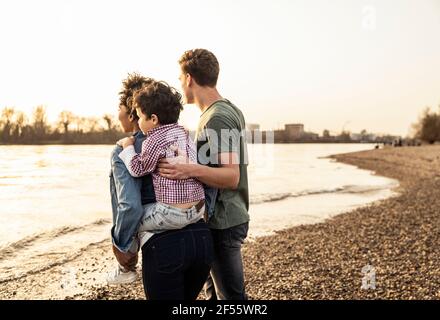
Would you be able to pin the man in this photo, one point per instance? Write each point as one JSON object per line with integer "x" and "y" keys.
{"x": 128, "y": 194}
{"x": 222, "y": 164}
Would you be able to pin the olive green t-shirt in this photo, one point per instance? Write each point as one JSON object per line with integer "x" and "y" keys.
{"x": 222, "y": 130}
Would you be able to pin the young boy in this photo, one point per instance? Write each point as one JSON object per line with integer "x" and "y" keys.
{"x": 179, "y": 202}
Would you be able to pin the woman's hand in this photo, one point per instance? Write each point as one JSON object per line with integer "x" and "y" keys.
{"x": 127, "y": 260}
{"x": 125, "y": 142}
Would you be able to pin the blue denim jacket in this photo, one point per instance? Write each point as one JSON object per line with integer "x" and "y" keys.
{"x": 128, "y": 195}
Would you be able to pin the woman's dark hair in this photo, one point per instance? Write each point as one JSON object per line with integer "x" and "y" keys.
{"x": 130, "y": 85}
{"x": 160, "y": 99}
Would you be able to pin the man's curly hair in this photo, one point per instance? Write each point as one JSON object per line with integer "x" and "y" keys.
{"x": 160, "y": 99}
{"x": 130, "y": 85}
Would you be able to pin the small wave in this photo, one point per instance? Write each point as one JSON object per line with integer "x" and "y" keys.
{"x": 271, "y": 197}
{"x": 57, "y": 262}
{"x": 14, "y": 248}
{"x": 48, "y": 249}
{"x": 262, "y": 198}
{"x": 366, "y": 189}
{"x": 350, "y": 189}
{"x": 10, "y": 177}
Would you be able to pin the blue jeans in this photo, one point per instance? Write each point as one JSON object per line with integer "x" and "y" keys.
{"x": 128, "y": 194}
{"x": 176, "y": 263}
{"x": 226, "y": 281}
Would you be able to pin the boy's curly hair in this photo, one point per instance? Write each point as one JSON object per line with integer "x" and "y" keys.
{"x": 160, "y": 99}
{"x": 130, "y": 85}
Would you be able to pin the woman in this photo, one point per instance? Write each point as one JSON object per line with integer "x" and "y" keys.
{"x": 175, "y": 263}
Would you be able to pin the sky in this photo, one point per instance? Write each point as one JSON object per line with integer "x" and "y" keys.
{"x": 334, "y": 65}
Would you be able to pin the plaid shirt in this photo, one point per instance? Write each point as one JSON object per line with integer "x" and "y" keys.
{"x": 156, "y": 146}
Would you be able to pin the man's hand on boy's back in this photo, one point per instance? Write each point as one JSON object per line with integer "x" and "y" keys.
{"x": 125, "y": 142}
{"x": 178, "y": 167}
{"x": 226, "y": 176}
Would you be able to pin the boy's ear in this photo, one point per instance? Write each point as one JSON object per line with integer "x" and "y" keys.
{"x": 154, "y": 118}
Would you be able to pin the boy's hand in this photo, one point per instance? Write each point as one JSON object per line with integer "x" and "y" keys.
{"x": 125, "y": 142}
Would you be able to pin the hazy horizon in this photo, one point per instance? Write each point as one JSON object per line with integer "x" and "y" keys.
{"x": 349, "y": 65}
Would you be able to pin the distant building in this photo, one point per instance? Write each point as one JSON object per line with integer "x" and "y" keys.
{"x": 363, "y": 137}
{"x": 252, "y": 126}
{"x": 279, "y": 136}
{"x": 294, "y": 131}
{"x": 253, "y": 133}
{"x": 310, "y": 136}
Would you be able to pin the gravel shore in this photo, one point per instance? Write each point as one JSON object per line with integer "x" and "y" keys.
{"x": 398, "y": 237}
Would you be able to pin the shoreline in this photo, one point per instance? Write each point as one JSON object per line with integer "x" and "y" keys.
{"x": 58, "y": 143}
{"x": 397, "y": 236}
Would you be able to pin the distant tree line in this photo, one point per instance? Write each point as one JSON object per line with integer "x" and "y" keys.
{"x": 17, "y": 128}
{"x": 427, "y": 127}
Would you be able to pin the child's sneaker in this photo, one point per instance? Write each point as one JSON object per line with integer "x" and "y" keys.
{"x": 119, "y": 276}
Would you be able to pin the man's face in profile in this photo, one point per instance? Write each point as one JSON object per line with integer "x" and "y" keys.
{"x": 185, "y": 83}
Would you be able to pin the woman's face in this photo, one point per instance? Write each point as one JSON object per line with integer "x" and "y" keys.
{"x": 125, "y": 119}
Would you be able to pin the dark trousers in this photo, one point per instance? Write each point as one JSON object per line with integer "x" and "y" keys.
{"x": 226, "y": 281}
{"x": 176, "y": 263}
